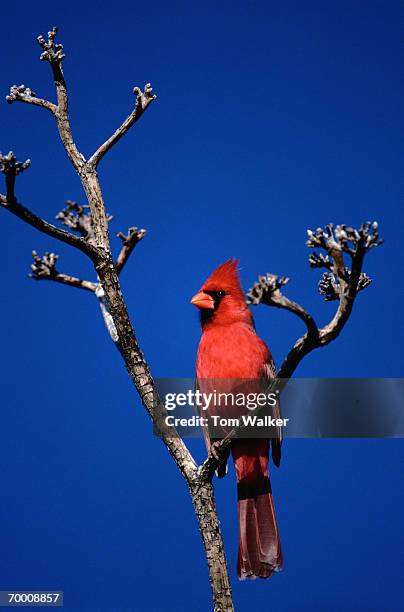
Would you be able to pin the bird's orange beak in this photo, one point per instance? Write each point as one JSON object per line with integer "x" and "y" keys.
{"x": 203, "y": 301}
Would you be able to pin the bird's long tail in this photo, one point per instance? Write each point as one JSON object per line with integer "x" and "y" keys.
{"x": 260, "y": 551}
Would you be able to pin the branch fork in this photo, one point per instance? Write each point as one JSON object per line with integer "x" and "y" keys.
{"x": 78, "y": 218}
{"x": 268, "y": 290}
{"x": 44, "y": 268}
{"x": 143, "y": 100}
{"x": 129, "y": 241}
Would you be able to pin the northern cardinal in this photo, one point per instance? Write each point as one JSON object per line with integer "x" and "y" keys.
{"x": 230, "y": 349}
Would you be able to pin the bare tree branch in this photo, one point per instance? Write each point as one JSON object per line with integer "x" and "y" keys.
{"x": 21, "y": 93}
{"x": 78, "y": 218}
{"x": 129, "y": 242}
{"x": 126, "y": 339}
{"x": 52, "y": 52}
{"x": 11, "y": 168}
{"x": 143, "y": 100}
{"x": 44, "y": 268}
{"x": 340, "y": 282}
{"x": 267, "y": 290}
{"x": 116, "y": 310}
{"x": 47, "y": 228}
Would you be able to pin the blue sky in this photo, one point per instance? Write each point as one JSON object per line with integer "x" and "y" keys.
{"x": 271, "y": 118}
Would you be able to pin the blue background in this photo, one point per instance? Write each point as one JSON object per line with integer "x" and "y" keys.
{"x": 271, "y": 117}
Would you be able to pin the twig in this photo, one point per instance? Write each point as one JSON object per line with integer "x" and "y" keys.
{"x": 143, "y": 100}
{"x": 44, "y": 268}
{"x": 267, "y": 290}
{"x": 21, "y": 93}
{"x": 129, "y": 242}
{"x": 78, "y": 219}
{"x": 43, "y": 226}
{"x": 11, "y": 168}
{"x": 52, "y": 52}
{"x": 338, "y": 283}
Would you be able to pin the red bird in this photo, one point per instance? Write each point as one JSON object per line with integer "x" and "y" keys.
{"x": 230, "y": 349}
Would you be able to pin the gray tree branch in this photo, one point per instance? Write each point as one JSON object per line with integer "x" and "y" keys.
{"x": 20, "y": 93}
{"x": 129, "y": 241}
{"x": 98, "y": 247}
{"x": 95, "y": 241}
{"x": 52, "y": 53}
{"x": 11, "y": 168}
{"x": 44, "y": 268}
{"x": 143, "y": 100}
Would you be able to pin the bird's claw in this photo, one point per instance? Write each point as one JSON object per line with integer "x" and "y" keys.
{"x": 216, "y": 450}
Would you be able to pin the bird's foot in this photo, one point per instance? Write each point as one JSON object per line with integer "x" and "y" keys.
{"x": 216, "y": 451}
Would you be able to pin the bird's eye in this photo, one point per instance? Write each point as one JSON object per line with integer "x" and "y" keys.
{"x": 217, "y": 295}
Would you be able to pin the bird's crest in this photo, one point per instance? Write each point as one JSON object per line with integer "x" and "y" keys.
{"x": 225, "y": 277}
